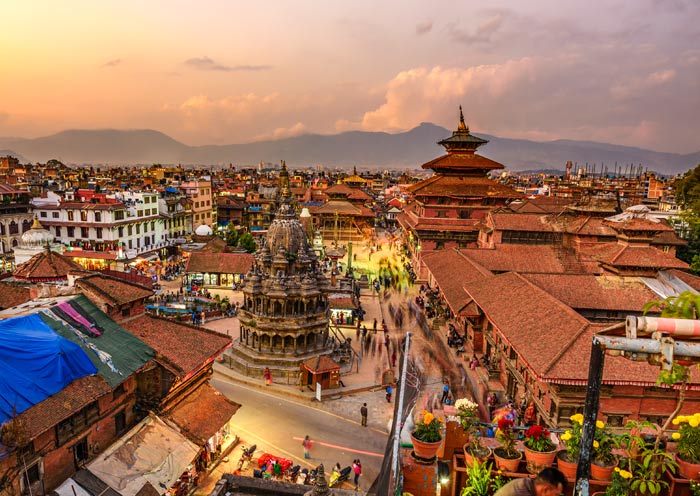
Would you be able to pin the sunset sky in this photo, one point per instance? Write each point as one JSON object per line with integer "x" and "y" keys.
{"x": 205, "y": 71}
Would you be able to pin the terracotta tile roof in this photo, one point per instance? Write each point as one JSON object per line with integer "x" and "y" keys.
{"x": 586, "y": 225}
{"x": 185, "y": 347}
{"x": 610, "y": 293}
{"x": 451, "y": 271}
{"x": 111, "y": 289}
{"x": 321, "y": 363}
{"x": 523, "y": 222}
{"x": 202, "y": 413}
{"x": 541, "y": 205}
{"x": 214, "y": 245}
{"x": 524, "y": 313}
{"x": 462, "y": 187}
{"x": 668, "y": 238}
{"x": 639, "y": 224}
{"x": 571, "y": 365}
{"x": 343, "y": 207}
{"x": 631, "y": 255}
{"x": 463, "y": 161}
{"x": 47, "y": 265}
{"x": 219, "y": 263}
{"x": 351, "y": 193}
{"x": 71, "y": 399}
{"x": 12, "y": 295}
{"x": 341, "y": 302}
{"x": 530, "y": 259}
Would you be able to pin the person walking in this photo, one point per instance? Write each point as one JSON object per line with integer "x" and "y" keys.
{"x": 389, "y": 390}
{"x": 393, "y": 359}
{"x": 363, "y": 413}
{"x": 268, "y": 376}
{"x": 445, "y": 391}
{"x": 306, "y": 443}
{"x": 357, "y": 469}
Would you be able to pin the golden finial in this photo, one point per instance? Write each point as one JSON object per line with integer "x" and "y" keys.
{"x": 462, "y": 126}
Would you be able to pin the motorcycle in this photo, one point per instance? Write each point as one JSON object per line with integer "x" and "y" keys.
{"x": 337, "y": 478}
{"x": 293, "y": 473}
{"x": 246, "y": 456}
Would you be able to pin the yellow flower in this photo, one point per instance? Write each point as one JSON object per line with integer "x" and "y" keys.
{"x": 676, "y": 421}
{"x": 676, "y": 435}
{"x": 599, "y": 424}
{"x": 681, "y": 419}
{"x": 578, "y": 418}
{"x": 596, "y": 444}
{"x": 625, "y": 474}
{"x": 566, "y": 436}
{"x": 617, "y": 469}
{"x": 428, "y": 417}
{"x": 693, "y": 422}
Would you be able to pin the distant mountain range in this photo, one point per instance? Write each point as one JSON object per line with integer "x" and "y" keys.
{"x": 363, "y": 149}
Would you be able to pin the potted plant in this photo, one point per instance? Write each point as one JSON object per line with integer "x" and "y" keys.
{"x": 688, "y": 445}
{"x": 481, "y": 481}
{"x": 620, "y": 483}
{"x": 644, "y": 464}
{"x": 567, "y": 460}
{"x": 466, "y": 413}
{"x": 426, "y": 437}
{"x": 603, "y": 461}
{"x": 507, "y": 456}
{"x": 539, "y": 449}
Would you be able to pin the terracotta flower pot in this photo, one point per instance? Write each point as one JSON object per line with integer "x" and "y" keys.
{"x": 481, "y": 455}
{"x": 603, "y": 472}
{"x": 565, "y": 466}
{"x": 687, "y": 470}
{"x": 538, "y": 460}
{"x": 504, "y": 463}
{"x": 426, "y": 451}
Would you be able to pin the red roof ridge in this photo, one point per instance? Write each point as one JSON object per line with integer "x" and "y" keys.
{"x": 565, "y": 349}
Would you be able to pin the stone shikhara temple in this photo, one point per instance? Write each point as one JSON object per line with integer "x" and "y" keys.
{"x": 284, "y": 317}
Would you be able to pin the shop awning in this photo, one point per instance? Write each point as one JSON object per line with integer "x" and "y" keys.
{"x": 150, "y": 453}
{"x": 203, "y": 413}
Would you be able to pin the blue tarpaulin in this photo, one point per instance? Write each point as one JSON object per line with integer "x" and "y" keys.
{"x": 35, "y": 363}
{"x": 171, "y": 190}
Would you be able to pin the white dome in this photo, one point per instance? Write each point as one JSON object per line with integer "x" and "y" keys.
{"x": 203, "y": 230}
{"x": 304, "y": 213}
{"x": 37, "y": 236}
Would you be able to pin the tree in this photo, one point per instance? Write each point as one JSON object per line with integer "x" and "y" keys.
{"x": 687, "y": 190}
{"x": 247, "y": 242}
{"x": 231, "y": 235}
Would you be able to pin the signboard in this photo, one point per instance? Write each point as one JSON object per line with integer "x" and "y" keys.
{"x": 318, "y": 391}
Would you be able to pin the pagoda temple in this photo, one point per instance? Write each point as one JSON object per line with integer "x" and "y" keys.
{"x": 445, "y": 210}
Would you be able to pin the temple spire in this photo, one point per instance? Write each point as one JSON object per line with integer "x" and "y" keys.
{"x": 462, "y": 126}
{"x": 285, "y": 190}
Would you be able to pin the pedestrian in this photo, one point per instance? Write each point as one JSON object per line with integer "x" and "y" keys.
{"x": 363, "y": 413}
{"x": 357, "y": 468}
{"x": 549, "y": 482}
{"x": 393, "y": 359}
{"x": 389, "y": 390}
{"x": 301, "y": 382}
{"x": 268, "y": 376}
{"x": 306, "y": 443}
{"x": 374, "y": 325}
{"x": 445, "y": 391}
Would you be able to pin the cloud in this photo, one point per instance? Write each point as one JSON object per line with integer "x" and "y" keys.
{"x": 634, "y": 87}
{"x": 112, "y": 63}
{"x": 483, "y": 33}
{"x": 207, "y": 64}
{"x": 422, "y": 94}
{"x": 288, "y": 132}
{"x": 424, "y": 27}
